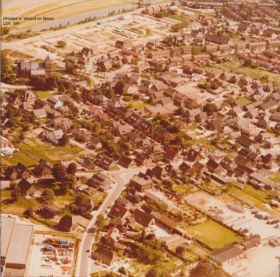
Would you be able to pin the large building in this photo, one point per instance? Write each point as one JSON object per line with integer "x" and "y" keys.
{"x": 15, "y": 243}
{"x": 33, "y": 68}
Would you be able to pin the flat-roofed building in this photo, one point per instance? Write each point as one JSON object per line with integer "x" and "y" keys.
{"x": 7, "y": 225}
{"x": 15, "y": 243}
{"x": 19, "y": 246}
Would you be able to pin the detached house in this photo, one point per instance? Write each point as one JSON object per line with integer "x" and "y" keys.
{"x": 42, "y": 169}
{"x": 140, "y": 183}
{"x": 26, "y": 188}
{"x": 55, "y": 136}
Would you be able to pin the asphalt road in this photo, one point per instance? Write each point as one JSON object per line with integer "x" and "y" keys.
{"x": 121, "y": 178}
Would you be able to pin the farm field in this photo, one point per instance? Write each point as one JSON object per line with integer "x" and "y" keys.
{"x": 55, "y": 9}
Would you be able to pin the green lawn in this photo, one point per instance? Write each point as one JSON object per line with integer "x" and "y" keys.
{"x": 182, "y": 189}
{"x": 32, "y": 152}
{"x": 243, "y": 101}
{"x": 245, "y": 197}
{"x": 137, "y": 105}
{"x": 253, "y": 197}
{"x": 257, "y": 193}
{"x": 18, "y": 207}
{"x": 189, "y": 256}
{"x": 276, "y": 177}
{"x": 97, "y": 198}
{"x": 62, "y": 200}
{"x": 43, "y": 94}
{"x": 255, "y": 73}
{"x": 213, "y": 234}
{"x": 18, "y": 157}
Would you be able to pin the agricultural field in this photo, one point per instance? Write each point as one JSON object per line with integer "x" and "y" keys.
{"x": 213, "y": 234}
{"x": 55, "y": 9}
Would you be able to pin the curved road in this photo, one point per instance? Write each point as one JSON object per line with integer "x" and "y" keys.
{"x": 121, "y": 177}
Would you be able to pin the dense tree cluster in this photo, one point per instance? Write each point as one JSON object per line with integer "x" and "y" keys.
{"x": 7, "y": 72}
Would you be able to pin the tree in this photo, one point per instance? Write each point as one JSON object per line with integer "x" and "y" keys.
{"x": 210, "y": 108}
{"x": 71, "y": 66}
{"x": 38, "y": 82}
{"x": 5, "y": 31}
{"x": 15, "y": 195}
{"x": 120, "y": 87}
{"x": 7, "y": 72}
{"x": 82, "y": 200}
{"x": 64, "y": 187}
{"x": 158, "y": 271}
{"x": 29, "y": 212}
{"x": 61, "y": 44}
{"x": 147, "y": 255}
{"x": 203, "y": 269}
{"x": 72, "y": 168}
{"x": 52, "y": 82}
{"x": 180, "y": 250}
{"x": 196, "y": 49}
{"x": 100, "y": 221}
{"x": 48, "y": 194}
{"x": 64, "y": 140}
{"x": 59, "y": 172}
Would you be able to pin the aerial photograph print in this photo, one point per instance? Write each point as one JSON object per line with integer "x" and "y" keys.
{"x": 140, "y": 138}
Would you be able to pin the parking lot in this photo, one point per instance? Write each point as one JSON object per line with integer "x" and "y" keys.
{"x": 248, "y": 221}
{"x": 51, "y": 256}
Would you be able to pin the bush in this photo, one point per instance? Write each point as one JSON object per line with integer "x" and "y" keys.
{"x": 47, "y": 194}
{"x": 61, "y": 44}
{"x": 5, "y": 31}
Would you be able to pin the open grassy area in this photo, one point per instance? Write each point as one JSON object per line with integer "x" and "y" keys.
{"x": 30, "y": 153}
{"x": 180, "y": 17}
{"x": 213, "y": 234}
{"x": 18, "y": 157}
{"x": 257, "y": 193}
{"x": 18, "y": 207}
{"x": 255, "y": 73}
{"x": 97, "y": 198}
{"x": 243, "y": 101}
{"x": 137, "y": 105}
{"x": 43, "y": 94}
{"x": 254, "y": 198}
{"x": 138, "y": 269}
{"x": 62, "y": 200}
{"x": 276, "y": 177}
{"x": 189, "y": 256}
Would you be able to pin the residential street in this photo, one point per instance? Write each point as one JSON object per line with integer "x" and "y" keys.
{"x": 121, "y": 177}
